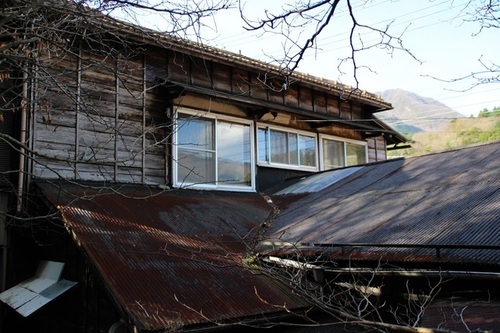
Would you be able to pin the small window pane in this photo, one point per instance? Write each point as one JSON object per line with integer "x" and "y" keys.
{"x": 307, "y": 151}
{"x": 195, "y": 167}
{"x": 356, "y": 154}
{"x": 293, "y": 147}
{"x": 279, "y": 147}
{"x": 195, "y": 133}
{"x": 234, "y": 154}
{"x": 262, "y": 140}
{"x": 333, "y": 154}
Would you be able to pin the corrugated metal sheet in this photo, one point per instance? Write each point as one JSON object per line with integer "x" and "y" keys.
{"x": 33, "y": 293}
{"x": 448, "y": 198}
{"x": 174, "y": 258}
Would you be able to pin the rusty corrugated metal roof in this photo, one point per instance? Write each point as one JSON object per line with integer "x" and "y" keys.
{"x": 174, "y": 258}
{"x": 448, "y": 198}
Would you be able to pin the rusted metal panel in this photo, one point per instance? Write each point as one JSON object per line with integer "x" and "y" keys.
{"x": 450, "y": 199}
{"x": 173, "y": 258}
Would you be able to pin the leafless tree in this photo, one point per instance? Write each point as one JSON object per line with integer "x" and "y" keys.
{"x": 360, "y": 296}
{"x": 485, "y": 14}
{"x": 39, "y": 38}
{"x": 300, "y": 24}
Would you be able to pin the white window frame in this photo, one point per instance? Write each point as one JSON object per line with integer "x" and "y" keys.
{"x": 284, "y": 165}
{"x": 344, "y": 141}
{"x": 216, "y": 118}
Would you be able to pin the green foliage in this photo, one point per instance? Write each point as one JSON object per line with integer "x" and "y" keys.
{"x": 485, "y": 113}
{"x": 251, "y": 262}
{"x": 459, "y": 133}
{"x": 476, "y": 135}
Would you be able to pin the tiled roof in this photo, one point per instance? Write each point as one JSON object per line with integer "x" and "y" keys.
{"x": 172, "y": 258}
{"x": 448, "y": 202}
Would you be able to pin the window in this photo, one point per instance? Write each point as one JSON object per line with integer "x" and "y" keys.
{"x": 213, "y": 151}
{"x": 338, "y": 152}
{"x": 285, "y": 148}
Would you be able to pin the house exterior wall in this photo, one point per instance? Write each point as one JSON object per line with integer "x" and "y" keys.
{"x": 377, "y": 149}
{"x": 110, "y": 119}
{"x": 99, "y": 122}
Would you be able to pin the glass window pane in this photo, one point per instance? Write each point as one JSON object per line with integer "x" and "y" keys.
{"x": 195, "y": 167}
{"x": 356, "y": 154}
{"x": 234, "y": 154}
{"x": 262, "y": 140}
{"x": 279, "y": 147}
{"x": 307, "y": 150}
{"x": 333, "y": 154}
{"x": 195, "y": 133}
{"x": 293, "y": 147}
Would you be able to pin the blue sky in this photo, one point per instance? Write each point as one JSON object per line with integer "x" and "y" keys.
{"x": 435, "y": 32}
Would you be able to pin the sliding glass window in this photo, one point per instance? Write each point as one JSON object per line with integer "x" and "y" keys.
{"x": 339, "y": 152}
{"x": 286, "y": 149}
{"x": 212, "y": 151}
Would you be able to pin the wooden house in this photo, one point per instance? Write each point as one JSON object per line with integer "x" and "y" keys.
{"x": 107, "y": 110}
{"x": 170, "y": 112}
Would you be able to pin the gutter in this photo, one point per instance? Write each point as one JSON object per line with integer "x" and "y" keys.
{"x": 384, "y": 272}
{"x": 22, "y": 139}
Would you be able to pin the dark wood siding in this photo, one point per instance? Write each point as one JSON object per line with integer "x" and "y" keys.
{"x": 107, "y": 118}
{"x": 376, "y": 149}
{"x": 102, "y": 123}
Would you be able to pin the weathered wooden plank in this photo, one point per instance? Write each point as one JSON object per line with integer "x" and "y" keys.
{"x": 126, "y": 99}
{"x": 333, "y": 107}
{"x": 275, "y": 90}
{"x": 56, "y": 100}
{"x": 52, "y": 118}
{"x": 381, "y": 148}
{"x": 201, "y": 72}
{"x": 221, "y": 77}
{"x": 95, "y": 172}
{"x": 155, "y": 180}
{"x": 178, "y": 67}
{"x": 62, "y": 69}
{"x": 345, "y": 110}
{"x": 56, "y": 134}
{"x": 56, "y": 152}
{"x": 240, "y": 82}
{"x": 292, "y": 96}
{"x": 92, "y": 91}
{"x": 97, "y": 123}
{"x": 156, "y": 65}
{"x": 129, "y": 159}
{"x": 96, "y": 147}
{"x": 129, "y": 175}
{"x": 357, "y": 111}
{"x": 48, "y": 170}
{"x": 320, "y": 102}
{"x": 97, "y": 108}
{"x": 258, "y": 90}
{"x": 131, "y": 69}
{"x": 306, "y": 101}
{"x": 98, "y": 76}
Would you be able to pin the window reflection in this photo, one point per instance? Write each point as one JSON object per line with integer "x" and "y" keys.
{"x": 234, "y": 153}
{"x": 288, "y": 148}
{"x": 213, "y": 152}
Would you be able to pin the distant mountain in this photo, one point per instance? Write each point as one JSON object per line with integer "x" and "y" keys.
{"x": 413, "y": 113}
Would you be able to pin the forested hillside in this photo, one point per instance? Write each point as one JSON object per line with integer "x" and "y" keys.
{"x": 460, "y": 132}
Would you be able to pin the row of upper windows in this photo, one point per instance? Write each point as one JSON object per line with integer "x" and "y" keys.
{"x": 215, "y": 151}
